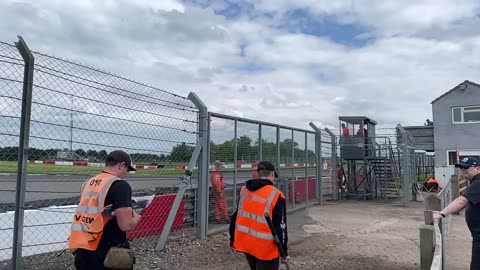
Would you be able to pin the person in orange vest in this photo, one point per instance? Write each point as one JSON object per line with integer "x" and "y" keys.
{"x": 104, "y": 214}
{"x": 433, "y": 184}
{"x": 218, "y": 190}
{"x": 249, "y": 231}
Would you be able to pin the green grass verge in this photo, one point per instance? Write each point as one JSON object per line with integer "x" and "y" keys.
{"x": 11, "y": 167}
{"x": 422, "y": 177}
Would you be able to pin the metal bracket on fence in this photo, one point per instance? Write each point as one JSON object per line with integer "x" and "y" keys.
{"x": 318, "y": 161}
{"x": 178, "y": 199}
{"x": 199, "y": 154}
{"x": 22, "y": 152}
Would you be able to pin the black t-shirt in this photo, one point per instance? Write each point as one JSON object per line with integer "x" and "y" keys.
{"x": 119, "y": 195}
{"x": 472, "y": 214}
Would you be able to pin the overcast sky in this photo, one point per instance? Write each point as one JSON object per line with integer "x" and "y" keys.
{"x": 287, "y": 62}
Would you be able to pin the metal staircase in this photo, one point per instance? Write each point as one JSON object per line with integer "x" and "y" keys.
{"x": 384, "y": 167}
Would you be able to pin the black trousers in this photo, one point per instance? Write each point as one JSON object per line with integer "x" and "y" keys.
{"x": 475, "y": 262}
{"x": 87, "y": 259}
{"x": 90, "y": 260}
{"x": 256, "y": 264}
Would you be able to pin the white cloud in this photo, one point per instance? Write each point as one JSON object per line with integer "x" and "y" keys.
{"x": 421, "y": 49}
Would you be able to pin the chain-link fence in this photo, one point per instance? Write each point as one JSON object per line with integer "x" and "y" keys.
{"x": 60, "y": 119}
{"x": 78, "y": 115}
{"x": 11, "y": 85}
{"x": 406, "y": 146}
{"x": 237, "y": 145}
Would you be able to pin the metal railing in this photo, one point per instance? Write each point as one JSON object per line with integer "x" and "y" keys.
{"x": 435, "y": 232}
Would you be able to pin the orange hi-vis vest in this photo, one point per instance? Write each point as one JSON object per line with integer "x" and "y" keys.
{"x": 89, "y": 219}
{"x": 252, "y": 234}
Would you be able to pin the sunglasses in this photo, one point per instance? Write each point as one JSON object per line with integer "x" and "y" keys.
{"x": 466, "y": 168}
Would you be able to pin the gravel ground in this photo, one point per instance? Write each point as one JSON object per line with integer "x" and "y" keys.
{"x": 214, "y": 254}
{"x": 348, "y": 235}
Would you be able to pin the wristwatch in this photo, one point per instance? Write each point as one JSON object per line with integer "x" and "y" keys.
{"x": 441, "y": 214}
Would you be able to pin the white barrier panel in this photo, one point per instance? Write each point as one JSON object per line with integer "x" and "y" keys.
{"x": 38, "y": 162}
{"x": 92, "y": 164}
{"x": 246, "y": 166}
{"x": 64, "y": 163}
{"x": 53, "y": 233}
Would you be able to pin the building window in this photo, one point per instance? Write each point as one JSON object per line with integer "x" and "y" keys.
{"x": 469, "y": 114}
{"x": 452, "y": 156}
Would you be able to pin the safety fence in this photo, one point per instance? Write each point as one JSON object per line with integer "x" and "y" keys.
{"x": 58, "y": 121}
{"x": 434, "y": 233}
{"x": 408, "y": 166}
{"x": 303, "y": 159}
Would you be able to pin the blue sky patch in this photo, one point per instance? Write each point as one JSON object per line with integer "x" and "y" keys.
{"x": 302, "y": 21}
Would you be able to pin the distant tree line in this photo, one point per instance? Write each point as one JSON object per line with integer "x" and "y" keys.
{"x": 246, "y": 150}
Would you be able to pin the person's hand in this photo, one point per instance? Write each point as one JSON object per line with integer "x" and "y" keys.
{"x": 286, "y": 260}
{"x": 136, "y": 216}
{"x": 436, "y": 215}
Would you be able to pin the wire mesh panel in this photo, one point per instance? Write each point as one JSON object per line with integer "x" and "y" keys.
{"x": 311, "y": 169}
{"x": 327, "y": 167}
{"x": 298, "y": 184}
{"x": 285, "y": 168}
{"x": 237, "y": 145}
{"x": 80, "y": 114}
{"x": 222, "y": 167}
{"x": 11, "y": 85}
{"x": 269, "y": 144}
{"x": 247, "y": 149}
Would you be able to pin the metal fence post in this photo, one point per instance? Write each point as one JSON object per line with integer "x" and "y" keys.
{"x": 22, "y": 152}
{"x": 334, "y": 164}
{"x": 306, "y": 169}
{"x": 235, "y": 158}
{"x": 202, "y": 184}
{"x": 293, "y": 169}
{"x": 260, "y": 142}
{"x": 406, "y": 167}
{"x": 318, "y": 161}
{"x": 278, "y": 162}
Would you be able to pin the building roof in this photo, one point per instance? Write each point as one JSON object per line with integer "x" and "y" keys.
{"x": 356, "y": 119}
{"x": 466, "y": 82}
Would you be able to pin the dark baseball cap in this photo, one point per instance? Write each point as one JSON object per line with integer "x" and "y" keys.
{"x": 121, "y": 156}
{"x": 268, "y": 166}
{"x": 468, "y": 162}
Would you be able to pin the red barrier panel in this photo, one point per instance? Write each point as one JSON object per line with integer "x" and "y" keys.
{"x": 80, "y": 163}
{"x": 139, "y": 166}
{"x": 155, "y": 215}
{"x": 51, "y": 162}
{"x": 300, "y": 194}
